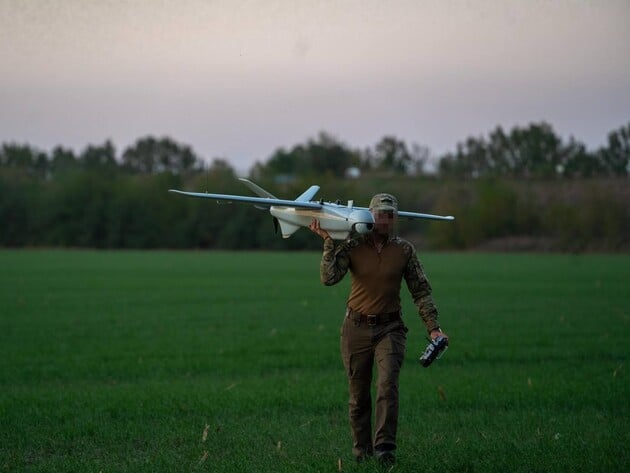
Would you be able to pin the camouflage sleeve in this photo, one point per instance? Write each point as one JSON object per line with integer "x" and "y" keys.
{"x": 335, "y": 262}
{"x": 420, "y": 290}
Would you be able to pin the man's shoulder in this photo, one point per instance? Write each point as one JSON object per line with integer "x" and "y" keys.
{"x": 358, "y": 240}
{"x": 352, "y": 242}
{"x": 401, "y": 241}
{"x": 405, "y": 245}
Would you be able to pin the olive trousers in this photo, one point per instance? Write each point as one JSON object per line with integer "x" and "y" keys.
{"x": 363, "y": 346}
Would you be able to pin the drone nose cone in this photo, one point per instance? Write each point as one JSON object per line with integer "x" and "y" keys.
{"x": 362, "y": 221}
{"x": 363, "y": 227}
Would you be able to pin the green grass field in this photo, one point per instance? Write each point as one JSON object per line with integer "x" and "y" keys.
{"x": 208, "y": 361}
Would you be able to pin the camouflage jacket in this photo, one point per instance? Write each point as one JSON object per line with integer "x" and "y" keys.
{"x": 377, "y": 275}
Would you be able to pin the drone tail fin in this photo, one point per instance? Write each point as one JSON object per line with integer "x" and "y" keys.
{"x": 257, "y": 189}
{"x": 287, "y": 228}
{"x": 308, "y": 194}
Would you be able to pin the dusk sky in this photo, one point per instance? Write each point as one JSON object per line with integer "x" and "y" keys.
{"x": 238, "y": 79}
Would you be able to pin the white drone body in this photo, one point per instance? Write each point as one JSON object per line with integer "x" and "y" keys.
{"x": 337, "y": 219}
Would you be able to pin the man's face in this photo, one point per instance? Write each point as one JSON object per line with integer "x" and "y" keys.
{"x": 384, "y": 221}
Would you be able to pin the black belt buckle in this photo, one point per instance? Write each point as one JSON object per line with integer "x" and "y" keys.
{"x": 371, "y": 319}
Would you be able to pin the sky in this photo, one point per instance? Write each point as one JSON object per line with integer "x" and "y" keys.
{"x": 239, "y": 79}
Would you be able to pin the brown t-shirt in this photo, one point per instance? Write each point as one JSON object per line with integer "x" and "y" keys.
{"x": 377, "y": 274}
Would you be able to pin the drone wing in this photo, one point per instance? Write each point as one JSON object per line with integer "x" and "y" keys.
{"x": 258, "y": 201}
{"x": 412, "y": 215}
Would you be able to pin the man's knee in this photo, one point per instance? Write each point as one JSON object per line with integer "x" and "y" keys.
{"x": 388, "y": 389}
{"x": 360, "y": 391}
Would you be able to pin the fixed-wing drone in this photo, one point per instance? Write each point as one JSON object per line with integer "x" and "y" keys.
{"x": 337, "y": 219}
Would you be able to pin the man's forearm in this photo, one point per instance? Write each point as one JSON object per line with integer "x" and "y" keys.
{"x": 428, "y": 313}
{"x": 333, "y": 266}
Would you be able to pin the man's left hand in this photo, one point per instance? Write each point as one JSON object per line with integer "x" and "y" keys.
{"x": 435, "y": 348}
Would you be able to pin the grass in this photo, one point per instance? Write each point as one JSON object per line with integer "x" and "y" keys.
{"x": 229, "y": 362}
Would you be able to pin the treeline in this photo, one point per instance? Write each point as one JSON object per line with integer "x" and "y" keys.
{"x": 523, "y": 189}
{"x": 537, "y": 152}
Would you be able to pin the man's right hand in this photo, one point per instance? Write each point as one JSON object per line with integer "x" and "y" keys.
{"x": 315, "y": 228}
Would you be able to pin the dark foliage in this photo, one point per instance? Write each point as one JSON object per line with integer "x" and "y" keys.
{"x": 525, "y": 184}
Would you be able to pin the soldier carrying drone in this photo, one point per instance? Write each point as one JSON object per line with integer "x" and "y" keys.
{"x": 373, "y": 329}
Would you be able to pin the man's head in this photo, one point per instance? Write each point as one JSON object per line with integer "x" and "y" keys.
{"x": 384, "y": 208}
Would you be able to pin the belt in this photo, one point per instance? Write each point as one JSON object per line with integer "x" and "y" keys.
{"x": 373, "y": 319}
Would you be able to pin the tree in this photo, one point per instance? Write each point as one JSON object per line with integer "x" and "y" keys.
{"x": 537, "y": 151}
{"x": 24, "y": 157}
{"x": 327, "y": 154}
{"x": 616, "y": 157}
{"x": 391, "y": 154}
{"x": 420, "y": 157}
{"x": 99, "y": 157}
{"x": 470, "y": 160}
{"x": 322, "y": 155}
{"x": 151, "y": 156}
{"x": 534, "y": 151}
{"x": 63, "y": 160}
{"x": 580, "y": 163}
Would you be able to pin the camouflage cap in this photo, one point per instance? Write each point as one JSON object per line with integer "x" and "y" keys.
{"x": 384, "y": 202}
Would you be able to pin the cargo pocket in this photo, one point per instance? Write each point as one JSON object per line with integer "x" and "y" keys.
{"x": 390, "y": 351}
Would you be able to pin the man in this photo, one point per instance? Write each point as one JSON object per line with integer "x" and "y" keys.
{"x": 373, "y": 329}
